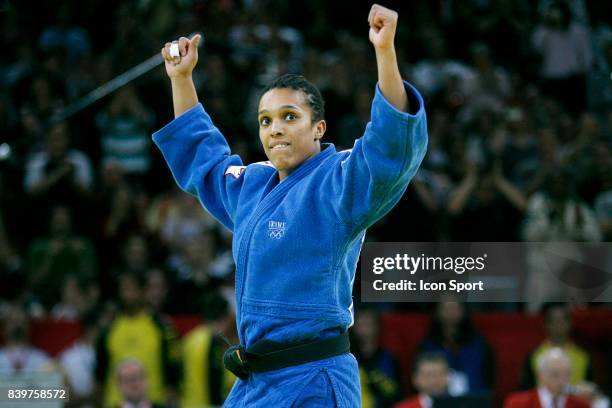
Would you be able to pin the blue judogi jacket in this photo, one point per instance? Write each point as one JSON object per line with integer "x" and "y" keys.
{"x": 296, "y": 243}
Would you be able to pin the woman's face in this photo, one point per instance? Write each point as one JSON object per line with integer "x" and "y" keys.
{"x": 286, "y": 130}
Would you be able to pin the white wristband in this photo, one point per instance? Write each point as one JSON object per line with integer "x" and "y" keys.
{"x": 174, "y": 50}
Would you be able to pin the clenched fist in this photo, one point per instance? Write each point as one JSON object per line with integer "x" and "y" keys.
{"x": 383, "y": 23}
{"x": 183, "y": 65}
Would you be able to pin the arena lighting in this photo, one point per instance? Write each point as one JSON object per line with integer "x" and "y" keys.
{"x": 5, "y": 151}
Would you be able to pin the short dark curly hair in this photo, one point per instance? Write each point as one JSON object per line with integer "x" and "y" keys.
{"x": 299, "y": 83}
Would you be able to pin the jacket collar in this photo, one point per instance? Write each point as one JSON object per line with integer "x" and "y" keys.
{"x": 327, "y": 150}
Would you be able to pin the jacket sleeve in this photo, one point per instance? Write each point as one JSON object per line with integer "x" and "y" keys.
{"x": 199, "y": 158}
{"x": 376, "y": 172}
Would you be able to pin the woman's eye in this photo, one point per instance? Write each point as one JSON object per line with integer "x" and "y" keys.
{"x": 264, "y": 121}
{"x": 289, "y": 116}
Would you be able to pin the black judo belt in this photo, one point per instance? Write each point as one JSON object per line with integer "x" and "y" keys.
{"x": 267, "y": 355}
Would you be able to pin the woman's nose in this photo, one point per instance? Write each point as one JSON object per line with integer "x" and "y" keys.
{"x": 276, "y": 128}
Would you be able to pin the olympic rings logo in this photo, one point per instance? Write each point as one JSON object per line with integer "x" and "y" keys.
{"x": 276, "y": 229}
{"x": 276, "y": 234}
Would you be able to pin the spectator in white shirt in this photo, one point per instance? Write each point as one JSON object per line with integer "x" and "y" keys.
{"x": 566, "y": 56}
{"x": 18, "y": 357}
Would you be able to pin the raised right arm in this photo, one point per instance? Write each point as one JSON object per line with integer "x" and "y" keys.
{"x": 196, "y": 152}
{"x": 179, "y": 69}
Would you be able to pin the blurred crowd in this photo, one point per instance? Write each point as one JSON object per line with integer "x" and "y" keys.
{"x": 519, "y": 104}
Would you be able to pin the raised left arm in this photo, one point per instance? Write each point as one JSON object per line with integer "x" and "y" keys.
{"x": 383, "y": 23}
{"x": 374, "y": 175}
